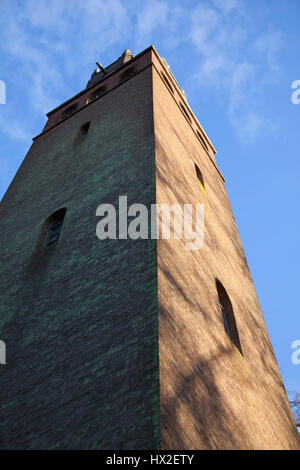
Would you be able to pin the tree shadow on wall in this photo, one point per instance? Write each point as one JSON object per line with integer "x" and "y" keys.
{"x": 196, "y": 415}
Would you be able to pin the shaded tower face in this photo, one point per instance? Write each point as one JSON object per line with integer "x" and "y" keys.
{"x": 130, "y": 343}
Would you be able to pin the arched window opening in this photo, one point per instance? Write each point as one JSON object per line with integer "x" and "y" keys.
{"x": 200, "y": 178}
{"x": 96, "y": 94}
{"x": 167, "y": 83}
{"x": 52, "y": 227}
{"x": 228, "y": 316}
{"x": 69, "y": 111}
{"x": 127, "y": 74}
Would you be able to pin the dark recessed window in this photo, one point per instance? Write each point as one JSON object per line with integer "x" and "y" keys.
{"x": 96, "y": 94}
{"x": 127, "y": 74}
{"x": 83, "y": 131}
{"x": 167, "y": 83}
{"x": 228, "y": 316}
{"x": 53, "y": 226}
{"x": 69, "y": 111}
{"x": 185, "y": 113}
{"x": 199, "y": 177}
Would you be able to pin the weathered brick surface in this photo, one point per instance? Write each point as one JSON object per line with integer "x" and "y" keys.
{"x": 212, "y": 397}
{"x": 80, "y": 320}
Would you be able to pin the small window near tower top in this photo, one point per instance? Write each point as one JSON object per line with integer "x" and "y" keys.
{"x": 202, "y": 141}
{"x": 228, "y": 318}
{"x": 185, "y": 112}
{"x": 96, "y": 94}
{"x": 127, "y": 74}
{"x": 52, "y": 227}
{"x": 69, "y": 111}
{"x": 167, "y": 83}
{"x": 83, "y": 131}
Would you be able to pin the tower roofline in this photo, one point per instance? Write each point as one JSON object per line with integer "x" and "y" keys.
{"x": 97, "y": 83}
{"x": 114, "y": 70}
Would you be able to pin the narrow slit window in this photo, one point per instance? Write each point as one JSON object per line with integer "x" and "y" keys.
{"x": 225, "y": 319}
{"x": 228, "y": 317}
{"x": 202, "y": 141}
{"x": 185, "y": 113}
{"x": 167, "y": 83}
{"x": 200, "y": 178}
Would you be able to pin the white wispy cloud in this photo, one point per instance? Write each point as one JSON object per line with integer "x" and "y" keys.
{"x": 268, "y": 46}
{"x": 204, "y": 22}
{"x": 235, "y": 62}
{"x": 226, "y": 5}
{"x": 14, "y": 128}
{"x": 152, "y": 16}
{"x": 47, "y": 43}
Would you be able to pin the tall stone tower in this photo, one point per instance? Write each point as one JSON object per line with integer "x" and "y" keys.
{"x": 130, "y": 344}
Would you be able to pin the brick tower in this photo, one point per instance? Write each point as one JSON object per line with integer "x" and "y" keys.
{"x": 129, "y": 344}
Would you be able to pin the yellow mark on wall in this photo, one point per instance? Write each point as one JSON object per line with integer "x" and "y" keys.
{"x": 202, "y": 188}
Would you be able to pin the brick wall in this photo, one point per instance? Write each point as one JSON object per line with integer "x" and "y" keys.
{"x": 212, "y": 397}
{"x": 80, "y": 319}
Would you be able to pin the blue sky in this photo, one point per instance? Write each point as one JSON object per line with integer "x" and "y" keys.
{"x": 235, "y": 59}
